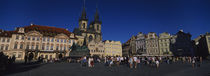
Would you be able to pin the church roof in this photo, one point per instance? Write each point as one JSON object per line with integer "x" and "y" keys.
{"x": 77, "y": 31}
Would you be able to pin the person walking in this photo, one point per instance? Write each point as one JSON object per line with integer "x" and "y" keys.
{"x": 131, "y": 62}
{"x": 193, "y": 63}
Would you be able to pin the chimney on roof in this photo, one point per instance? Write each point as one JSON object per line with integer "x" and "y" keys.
{"x": 32, "y": 24}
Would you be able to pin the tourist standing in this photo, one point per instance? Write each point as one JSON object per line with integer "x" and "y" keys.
{"x": 92, "y": 62}
{"x": 89, "y": 62}
{"x": 193, "y": 63}
{"x": 157, "y": 63}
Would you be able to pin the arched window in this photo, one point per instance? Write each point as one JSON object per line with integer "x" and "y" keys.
{"x": 7, "y": 47}
{"x": 21, "y": 46}
{"x": 97, "y": 27}
{"x": 2, "y": 47}
{"x": 90, "y": 38}
{"x": 15, "y": 46}
{"x": 43, "y": 46}
{"x": 83, "y": 25}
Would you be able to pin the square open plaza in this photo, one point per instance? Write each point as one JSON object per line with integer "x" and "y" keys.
{"x": 44, "y": 50}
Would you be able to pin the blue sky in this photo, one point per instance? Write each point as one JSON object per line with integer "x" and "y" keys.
{"x": 120, "y": 18}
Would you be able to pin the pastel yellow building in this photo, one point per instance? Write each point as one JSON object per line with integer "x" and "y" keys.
{"x": 164, "y": 44}
{"x": 96, "y": 48}
{"x": 112, "y": 48}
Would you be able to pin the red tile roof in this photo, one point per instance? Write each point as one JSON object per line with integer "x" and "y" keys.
{"x": 7, "y": 33}
{"x": 45, "y": 30}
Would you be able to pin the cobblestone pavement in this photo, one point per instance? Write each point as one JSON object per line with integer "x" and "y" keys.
{"x": 74, "y": 69}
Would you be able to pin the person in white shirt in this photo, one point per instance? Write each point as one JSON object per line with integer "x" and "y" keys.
{"x": 157, "y": 63}
{"x": 89, "y": 62}
{"x": 135, "y": 61}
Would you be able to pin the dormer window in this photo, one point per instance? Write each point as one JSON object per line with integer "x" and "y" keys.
{"x": 21, "y": 30}
{"x": 72, "y": 35}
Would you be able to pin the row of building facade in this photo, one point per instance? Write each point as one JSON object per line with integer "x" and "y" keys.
{"x": 163, "y": 45}
{"x": 179, "y": 44}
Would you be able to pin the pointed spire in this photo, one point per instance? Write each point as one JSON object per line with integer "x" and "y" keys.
{"x": 96, "y": 15}
{"x": 83, "y": 15}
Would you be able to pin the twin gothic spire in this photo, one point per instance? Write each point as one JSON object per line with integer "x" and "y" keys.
{"x": 84, "y": 15}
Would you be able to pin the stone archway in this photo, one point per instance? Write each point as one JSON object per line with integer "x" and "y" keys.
{"x": 30, "y": 56}
{"x": 60, "y": 56}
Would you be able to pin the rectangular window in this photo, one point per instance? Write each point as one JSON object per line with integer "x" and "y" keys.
{"x": 64, "y": 48}
{"x": 22, "y": 37}
{"x": 33, "y": 38}
{"x": 52, "y": 40}
{"x": 61, "y": 48}
{"x": 2, "y": 47}
{"x": 51, "y": 47}
{"x": 43, "y": 39}
{"x": 29, "y": 38}
{"x": 8, "y": 40}
{"x": 21, "y": 46}
{"x": 3, "y": 40}
{"x": 43, "y": 46}
{"x": 69, "y": 41}
{"x": 57, "y": 47}
{"x": 7, "y": 47}
{"x": 17, "y": 37}
{"x": 14, "y": 54}
{"x": 48, "y": 39}
{"x": 50, "y": 56}
{"x": 47, "y": 47}
{"x": 57, "y": 40}
{"x": 15, "y": 46}
{"x": 19, "y": 55}
{"x": 37, "y": 38}
{"x": 27, "y": 47}
{"x": 37, "y": 47}
{"x": 32, "y": 47}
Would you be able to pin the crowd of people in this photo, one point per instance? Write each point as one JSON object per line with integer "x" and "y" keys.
{"x": 134, "y": 61}
{"x": 6, "y": 61}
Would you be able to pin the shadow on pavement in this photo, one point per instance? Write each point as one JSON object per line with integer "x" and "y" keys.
{"x": 21, "y": 67}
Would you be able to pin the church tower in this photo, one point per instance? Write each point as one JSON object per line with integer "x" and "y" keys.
{"x": 83, "y": 21}
{"x": 97, "y": 22}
